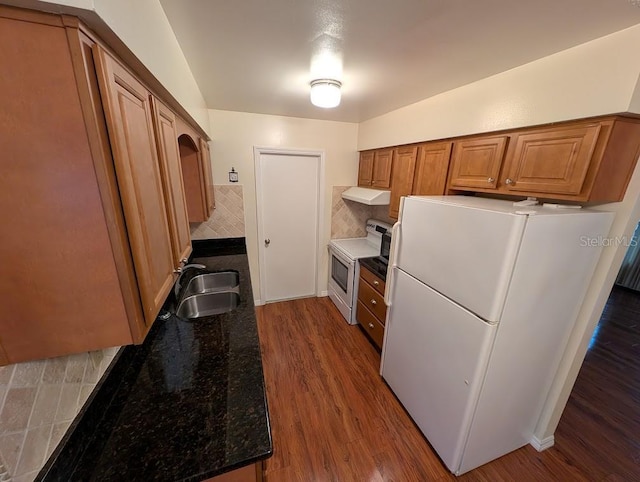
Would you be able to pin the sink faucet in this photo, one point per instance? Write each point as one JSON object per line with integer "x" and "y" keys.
{"x": 182, "y": 271}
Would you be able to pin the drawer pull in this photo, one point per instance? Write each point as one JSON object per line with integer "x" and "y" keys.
{"x": 376, "y": 283}
{"x": 373, "y": 302}
{"x": 371, "y": 325}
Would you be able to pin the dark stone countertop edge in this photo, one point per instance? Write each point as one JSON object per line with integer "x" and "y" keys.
{"x": 71, "y": 448}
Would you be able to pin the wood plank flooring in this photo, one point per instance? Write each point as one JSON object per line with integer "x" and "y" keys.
{"x": 334, "y": 419}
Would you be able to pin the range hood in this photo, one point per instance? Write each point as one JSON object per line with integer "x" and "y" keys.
{"x": 364, "y": 195}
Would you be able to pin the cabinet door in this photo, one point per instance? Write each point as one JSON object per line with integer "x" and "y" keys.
{"x": 129, "y": 121}
{"x": 404, "y": 164}
{"x": 365, "y": 170}
{"x": 551, "y": 161}
{"x": 382, "y": 163}
{"x": 167, "y": 142}
{"x": 476, "y": 162}
{"x": 432, "y": 166}
{"x": 208, "y": 176}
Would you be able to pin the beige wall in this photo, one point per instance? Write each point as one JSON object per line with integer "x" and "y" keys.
{"x": 235, "y": 134}
{"x": 598, "y": 77}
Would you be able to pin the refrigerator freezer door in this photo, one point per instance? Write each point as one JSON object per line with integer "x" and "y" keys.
{"x": 434, "y": 367}
{"x": 466, "y": 253}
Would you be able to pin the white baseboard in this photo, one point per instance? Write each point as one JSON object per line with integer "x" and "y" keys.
{"x": 323, "y": 293}
{"x": 543, "y": 444}
{"x": 258, "y": 302}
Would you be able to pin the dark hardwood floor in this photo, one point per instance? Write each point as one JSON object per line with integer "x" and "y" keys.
{"x": 334, "y": 419}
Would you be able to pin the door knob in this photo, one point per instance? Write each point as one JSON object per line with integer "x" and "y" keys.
{"x": 267, "y": 242}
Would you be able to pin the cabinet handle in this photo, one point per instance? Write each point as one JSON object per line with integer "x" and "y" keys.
{"x": 373, "y": 302}
{"x": 490, "y": 180}
{"x": 371, "y": 325}
{"x": 376, "y": 283}
{"x": 177, "y": 270}
{"x": 267, "y": 242}
{"x": 509, "y": 182}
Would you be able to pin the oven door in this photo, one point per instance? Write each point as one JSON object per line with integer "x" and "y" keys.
{"x": 341, "y": 274}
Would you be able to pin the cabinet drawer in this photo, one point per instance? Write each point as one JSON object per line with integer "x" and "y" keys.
{"x": 372, "y": 300}
{"x": 372, "y": 279}
{"x": 370, "y": 324}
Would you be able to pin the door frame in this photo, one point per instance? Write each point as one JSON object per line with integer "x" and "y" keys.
{"x": 319, "y": 155}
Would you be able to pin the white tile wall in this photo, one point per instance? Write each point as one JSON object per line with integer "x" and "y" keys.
{"x": 38, "y": 402}
{"x": 227, "y": 220}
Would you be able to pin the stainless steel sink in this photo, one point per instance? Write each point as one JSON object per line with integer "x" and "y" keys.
{"x": 207, "y": 304}
{"x": 208, "y": 282}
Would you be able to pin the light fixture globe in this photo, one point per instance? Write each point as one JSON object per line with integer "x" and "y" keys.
{"x": 325, "y": 93}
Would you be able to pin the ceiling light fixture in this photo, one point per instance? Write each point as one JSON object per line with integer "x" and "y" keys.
{"x": 325, "y": 93}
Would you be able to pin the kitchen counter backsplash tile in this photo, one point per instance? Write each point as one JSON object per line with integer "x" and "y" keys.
{"x": 227, "y": 219}
{"x": 186, "y": 405}
{"x": 349, "y": 218}
{"x": 38, "y": 402}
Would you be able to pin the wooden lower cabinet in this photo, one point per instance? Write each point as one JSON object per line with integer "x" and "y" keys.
{"x": 249, "y": 473}
{"x": 86, "y": 194}
{"x": 371, "y": 310}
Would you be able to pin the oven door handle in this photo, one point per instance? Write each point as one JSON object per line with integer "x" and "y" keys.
{"x": 395, "y": 235}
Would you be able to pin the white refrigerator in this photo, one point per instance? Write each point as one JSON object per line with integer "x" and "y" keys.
{"x": 482, "y": 296}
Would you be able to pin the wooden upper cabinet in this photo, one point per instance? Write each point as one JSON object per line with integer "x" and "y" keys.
{"x": 404, "y": 164}
{"x": 209, "y": 195}
{"x": 194, "y": 172}
{"x": 382, "y": 164}
{"x": 432, "y": 166}
{"x": 476, "y": 162}
{"x": 375, "y": 168}
{"x": 365, "y": 169}
{"x": 167, "y": 142}
{"x": 129, "y": 121}
{"x": 553, "y": 161}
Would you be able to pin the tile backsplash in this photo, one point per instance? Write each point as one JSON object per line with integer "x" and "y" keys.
{"x": 227, "y": 220}
{"x": 38, "y": 402}
{"x": 348, "y": 218}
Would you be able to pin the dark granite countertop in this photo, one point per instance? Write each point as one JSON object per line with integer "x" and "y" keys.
{"x": 376, "y": 266}
{"x": 186, "y": 405}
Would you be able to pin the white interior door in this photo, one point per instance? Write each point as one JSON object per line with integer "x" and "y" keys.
{"x": 288, "y": 188}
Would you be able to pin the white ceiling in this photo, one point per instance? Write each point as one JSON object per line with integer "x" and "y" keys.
{"x": 255, "y": 55}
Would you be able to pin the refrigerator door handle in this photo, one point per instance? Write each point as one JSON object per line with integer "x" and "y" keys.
{"x": 395, "y": 234}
